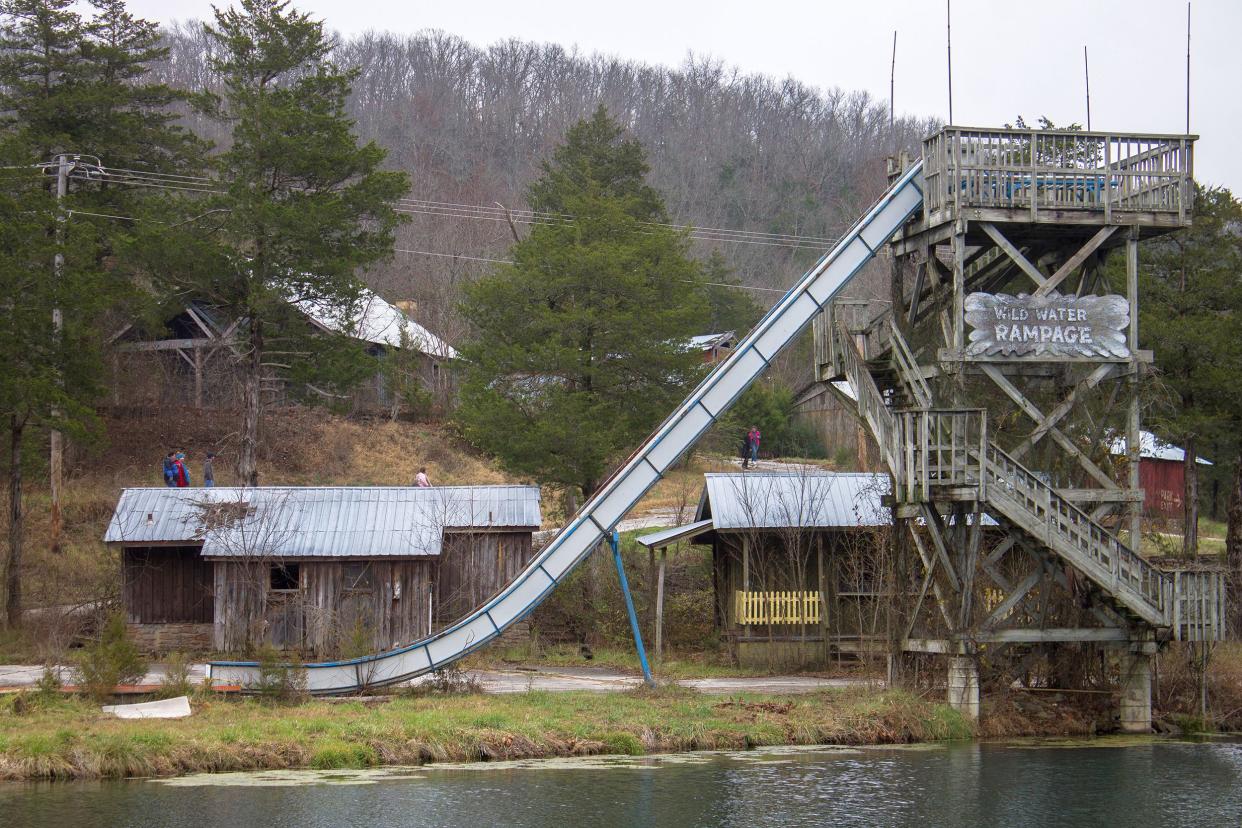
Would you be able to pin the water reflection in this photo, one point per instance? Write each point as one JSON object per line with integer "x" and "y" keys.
{"x": 1155, "y": 783}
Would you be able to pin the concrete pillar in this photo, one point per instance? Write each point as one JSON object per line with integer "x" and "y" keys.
{"x": 964, "y": 686}
{"x": 1136, "y": 693}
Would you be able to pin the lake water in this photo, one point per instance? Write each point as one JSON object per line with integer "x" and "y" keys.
{"x": 1111, "y": 782}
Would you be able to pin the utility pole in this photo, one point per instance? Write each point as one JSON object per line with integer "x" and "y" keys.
{"x": 948, "y": 35}
{"x": 57, "y": 440}
{"x": 1086, "y": 73}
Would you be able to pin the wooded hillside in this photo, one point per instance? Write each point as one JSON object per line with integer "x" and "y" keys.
{"x": 470, "y": 125}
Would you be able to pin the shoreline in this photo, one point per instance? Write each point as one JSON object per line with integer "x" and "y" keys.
{"x": 71, "y": 739}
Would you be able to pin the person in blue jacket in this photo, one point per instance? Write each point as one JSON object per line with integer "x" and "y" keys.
{"x": 170, "y": 470}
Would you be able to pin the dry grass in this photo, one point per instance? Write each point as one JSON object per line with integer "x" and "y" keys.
{"x": 299, "y": 447}
{"x": 60, "y": 739}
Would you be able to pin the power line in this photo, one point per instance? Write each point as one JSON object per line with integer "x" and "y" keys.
{"x": 451, "y": 210}
{"x": 452, "y": 256}
{"x": 406, "y": 250}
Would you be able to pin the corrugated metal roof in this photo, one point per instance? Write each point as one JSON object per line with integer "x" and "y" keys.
{"x": 756, "y": 500}
{"x": 291, "y": 521}
{"x": 1152, "y": 447}
{"x": 664, "y": 537}
{"x": 704, "y": 342}
{"x": 381, "y": 323}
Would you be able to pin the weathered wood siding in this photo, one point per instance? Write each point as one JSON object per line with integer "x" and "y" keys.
{"x": 375, "y": 604}
{"x": 166, "y": 585}
{"x": 833, "y": 567}
{"x": 474, "y": 567}
{"x": 1164, "y": 485}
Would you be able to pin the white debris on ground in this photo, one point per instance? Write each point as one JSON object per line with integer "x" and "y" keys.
{"x": 177, "y": 708}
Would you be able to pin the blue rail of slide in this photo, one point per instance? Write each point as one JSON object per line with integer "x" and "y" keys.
{"x": 597, "y": 517}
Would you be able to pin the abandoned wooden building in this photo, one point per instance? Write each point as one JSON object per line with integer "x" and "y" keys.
{"x": 794, "y": 559}
{"x": 1162, "y": 477}
{"x": 713, "y": 346}
{"x": 192, "y": 359}
{"x": 315, "y": 570}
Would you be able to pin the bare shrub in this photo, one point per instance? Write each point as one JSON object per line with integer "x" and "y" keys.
{"x": 449, "y": 680}
{"x": 176, "y": 679}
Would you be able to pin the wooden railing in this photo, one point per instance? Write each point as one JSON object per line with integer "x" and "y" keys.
{"x": 940, "y": 449}
{"x": 1198, "y": 598}
{"x": 927, "y": 448}
{"x": 1035, "y": 506}
{"x": 855, "y": 314}
{"x": 908, "y": 367}
{"x": 871, "y": 405}
{"x": 1047, "y": 170}
{"x": 788, "y": 607}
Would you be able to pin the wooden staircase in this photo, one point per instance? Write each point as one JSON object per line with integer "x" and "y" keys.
{"x": 945, "y": 454}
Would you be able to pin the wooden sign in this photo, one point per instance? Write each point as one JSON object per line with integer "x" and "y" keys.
{"x": 1047, "y": 326}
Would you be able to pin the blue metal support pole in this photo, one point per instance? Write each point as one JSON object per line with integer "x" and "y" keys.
{"x": 614, "y": 542}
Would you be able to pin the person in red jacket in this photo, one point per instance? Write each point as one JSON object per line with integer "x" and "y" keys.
{"x": 752, "y": 440}
{"x": 181, "y": 475}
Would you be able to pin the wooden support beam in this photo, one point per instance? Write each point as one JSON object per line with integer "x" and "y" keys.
{"x": 935, "y": 528}
{"x": 1077, "y": 259}
{"x": 959, "y": 287}
{"x": 1102, "y": 495}
{"x": 1016, "y": 595}
{"x": 920, "y": 276}
{"x": 166, "y": 345}
{"x": 1014, "y": 253}
{"x": 928, "y": 565}
{"x": 1032, "y": 411}
{"x": 198, "y": 320}
{"x": 973, "y": 535}
{"x": 1063, "y": 408}
{"x": 1067, "y": 634}
{"x": 935, "y": 646}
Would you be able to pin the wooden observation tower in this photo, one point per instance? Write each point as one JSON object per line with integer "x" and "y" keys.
{"x": 995, "y": 383}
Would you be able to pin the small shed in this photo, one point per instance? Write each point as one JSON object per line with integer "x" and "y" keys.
{"x": 314, "y": 569}
{"x": 794, "y": 557}
{"x": 1162, "y": 475}
{"x": 195, "y": 358}
{"x": 713, "y": 346}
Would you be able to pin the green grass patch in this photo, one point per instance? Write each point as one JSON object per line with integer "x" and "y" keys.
{"x": 335, "y": 755}
{"x": 74, "y": 739}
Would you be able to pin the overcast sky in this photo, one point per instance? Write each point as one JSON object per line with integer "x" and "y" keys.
{"x": 1009, "y": 58}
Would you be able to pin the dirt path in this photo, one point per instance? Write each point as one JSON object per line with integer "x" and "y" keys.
{"x": 521, "y": 679}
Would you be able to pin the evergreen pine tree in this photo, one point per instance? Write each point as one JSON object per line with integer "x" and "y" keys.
{"x": 578, "y": 348}
{"x": 303, "y": 206}
{"x": 1191, "y": 293}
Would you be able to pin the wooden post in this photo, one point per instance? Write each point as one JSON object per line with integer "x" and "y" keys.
{"x": 959, "y": 288}
{"x": 198, "y": 378}
{"x": 1134, "y": 510}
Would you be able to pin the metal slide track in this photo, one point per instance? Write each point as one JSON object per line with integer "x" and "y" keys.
{"x": 595, "y": 520}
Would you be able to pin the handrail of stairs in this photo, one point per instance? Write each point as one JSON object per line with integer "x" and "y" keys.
{"x": 908, "y": 367}
{"x": 1083, "y": 541}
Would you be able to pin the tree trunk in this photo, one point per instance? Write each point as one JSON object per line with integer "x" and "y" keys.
{"x": 13, "y": 565}
{"x": 252, "y": 403}
{"x": 1233, "y": 544}
{"x": 1190, "y": 502}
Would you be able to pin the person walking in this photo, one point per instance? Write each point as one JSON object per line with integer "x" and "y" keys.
{"x": 170, "y": 469}
{"x": 180, "y": 473}
{"x": 752, "y": 439}
{"x": 745, "y": 450}
{"x": 209, "y": 473}
{"x": 420, "y": 479}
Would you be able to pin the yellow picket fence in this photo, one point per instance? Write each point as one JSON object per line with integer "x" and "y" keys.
{"x": 788, "y": 607}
